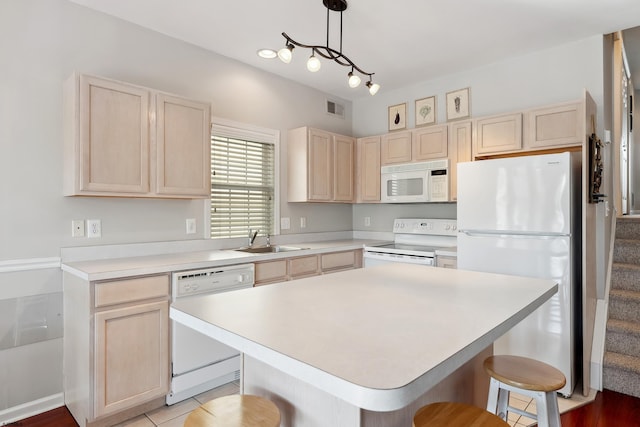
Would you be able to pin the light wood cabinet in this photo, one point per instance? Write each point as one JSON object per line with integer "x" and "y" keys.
{"x": 125, "y": 140}
{"x": 460, "y": 140}
{"x": 430, "y": 143}
{"x": 368, "y": 170}
{"x": 116, "y": 347}
{"x": 395, "y": 148}
{"x": 553, "y": 126}
{"x": 297, "y": 267}
{"x": 320, "y": 166}
{"x": 498, "y": 134}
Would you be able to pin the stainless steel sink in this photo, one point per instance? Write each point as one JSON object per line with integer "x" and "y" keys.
{"x": 269, "y": 249}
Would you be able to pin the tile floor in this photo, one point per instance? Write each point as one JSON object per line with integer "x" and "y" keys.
{"x": 175, "y": 415}
{"x": 526, "y": 404}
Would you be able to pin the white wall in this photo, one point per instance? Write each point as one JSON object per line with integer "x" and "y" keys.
{"x": 553, "y": 75}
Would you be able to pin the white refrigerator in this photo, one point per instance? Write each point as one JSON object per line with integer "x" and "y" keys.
{"x": 522, "y": 216}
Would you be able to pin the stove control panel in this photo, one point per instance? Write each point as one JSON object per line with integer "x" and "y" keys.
{"x": 437, "y": 227}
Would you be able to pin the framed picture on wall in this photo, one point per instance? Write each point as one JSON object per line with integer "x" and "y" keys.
{"x": 458, "y": 104}
{"x": 398, "y": 116}
{"x": 426, "y": 111}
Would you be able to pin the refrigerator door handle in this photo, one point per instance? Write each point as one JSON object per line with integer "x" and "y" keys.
{"x": 523, "y": 234}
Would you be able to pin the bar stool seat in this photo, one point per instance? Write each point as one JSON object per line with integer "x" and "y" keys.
{"x": 238, "y": 410}
{"x": 527, "y": 377}
{"x": 450, "y": 414}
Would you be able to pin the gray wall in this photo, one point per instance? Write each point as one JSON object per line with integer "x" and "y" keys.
{"x": 43, "y": 41}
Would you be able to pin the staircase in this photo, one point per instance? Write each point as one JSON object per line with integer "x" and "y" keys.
{"x": 621, "y": 371}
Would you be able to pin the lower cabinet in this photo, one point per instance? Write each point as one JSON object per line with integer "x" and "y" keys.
{"x": 116, "y": 347}
{"x": 281, "y": 270}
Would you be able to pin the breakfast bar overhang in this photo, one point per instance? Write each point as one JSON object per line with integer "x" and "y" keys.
{"x": 365, "y": 346}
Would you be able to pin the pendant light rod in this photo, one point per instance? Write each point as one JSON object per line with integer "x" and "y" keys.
{"x": 328, "y": 53}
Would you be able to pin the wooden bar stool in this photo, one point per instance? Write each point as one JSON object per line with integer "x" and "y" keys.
{"x": 450, "y": 414}
{"x": 237, "y": 410}
{"x": 527, "y": 377}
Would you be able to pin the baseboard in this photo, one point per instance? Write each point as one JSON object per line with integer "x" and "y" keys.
{"x": 32, "y": 408}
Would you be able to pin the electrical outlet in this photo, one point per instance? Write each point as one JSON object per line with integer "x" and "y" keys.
{"x": 367, "y": 221}
{"x": 285, "y": 223}
{"x": 94, "y": 228}
{"x": 303, "y": 222}
{"x": 191, "y": 226}
{"x": 77, "y": 228}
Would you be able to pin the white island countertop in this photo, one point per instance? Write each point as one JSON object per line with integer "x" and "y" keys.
{"x": 376, "y": 337}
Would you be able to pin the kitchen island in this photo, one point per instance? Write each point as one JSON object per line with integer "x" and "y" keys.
{"x": 365, "y": 347}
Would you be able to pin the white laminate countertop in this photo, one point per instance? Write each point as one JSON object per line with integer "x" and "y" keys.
{"x": 376, "y": 337}
{"x": 115, "y": 268}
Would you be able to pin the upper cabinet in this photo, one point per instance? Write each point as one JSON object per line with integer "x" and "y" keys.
{"x": 430, "y": 143}
{"x": 555, "y": 125}
{"x": 368, "y": 170}
{"x": 395, "y": 148}
{"x": 129, "y": 141}
{"x": 459, "y": 152}
{"x": 320, "y": 166}
{"x": 497, "y": 134}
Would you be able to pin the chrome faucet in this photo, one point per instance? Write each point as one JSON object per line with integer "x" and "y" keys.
{"x": 252, "y": 236}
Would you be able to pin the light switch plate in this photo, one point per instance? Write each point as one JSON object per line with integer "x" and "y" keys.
{"x": 191, "y": 226}
{"x": 285, "y": 223}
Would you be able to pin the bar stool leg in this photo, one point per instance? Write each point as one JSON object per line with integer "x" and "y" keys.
{"x": 552, "y": 407}
{"x": 542, "y": 410}
{"x": 498, "y": 400}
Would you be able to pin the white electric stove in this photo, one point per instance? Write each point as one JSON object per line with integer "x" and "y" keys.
{"x": 416, "y": 241}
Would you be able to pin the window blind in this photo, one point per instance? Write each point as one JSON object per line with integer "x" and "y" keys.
{"x": 242, "y": 187}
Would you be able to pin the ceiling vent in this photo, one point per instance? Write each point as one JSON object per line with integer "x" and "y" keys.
{"x": 335, "y": 109}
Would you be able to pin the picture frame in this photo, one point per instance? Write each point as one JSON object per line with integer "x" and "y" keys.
{"x": 458, "y": 104}
{"x": 426, "y": 111}
{"x": 398, "y": 116}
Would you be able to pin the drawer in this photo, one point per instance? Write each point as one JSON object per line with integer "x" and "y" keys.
{"x": 303, "y": 266}
{"x": 338, "y": 260}
{"x": 128, "y": 290}
{"x": 270, "y": 271}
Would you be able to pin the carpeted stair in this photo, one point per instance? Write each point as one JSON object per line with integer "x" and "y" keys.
{"x": 621, "y": 371}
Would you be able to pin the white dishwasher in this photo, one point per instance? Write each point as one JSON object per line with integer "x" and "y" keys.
{"x": 200, "y": 363}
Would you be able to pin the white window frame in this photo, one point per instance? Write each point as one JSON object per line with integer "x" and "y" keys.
{"x": 232, "y": 129}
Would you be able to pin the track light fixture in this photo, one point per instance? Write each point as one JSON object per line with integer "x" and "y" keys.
{"x": 313, "y": 63}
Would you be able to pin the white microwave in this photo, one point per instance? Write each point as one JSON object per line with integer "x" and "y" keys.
{"x": 415, "y": 182}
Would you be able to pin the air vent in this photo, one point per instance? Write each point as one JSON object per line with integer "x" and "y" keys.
{"x": 335, "y": 109}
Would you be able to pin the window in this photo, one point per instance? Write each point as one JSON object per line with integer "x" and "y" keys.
{"x": 243, "y": 180}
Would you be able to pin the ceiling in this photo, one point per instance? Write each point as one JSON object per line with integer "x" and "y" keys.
{"x": 402, "y": 42}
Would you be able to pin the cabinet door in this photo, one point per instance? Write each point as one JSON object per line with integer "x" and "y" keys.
{"x": 460, "y": 144}
{"x": 131, "y": 346}
{"x": 430, "y": 143}
{"x": 555, "y": 126}
{"x": 320, "y": 165}
{"x": 343, "y": 162}
{"x": 499, "y": 134}
{"x": 368, "y": 181}
{"x": 303, "y": 266}
{"x": 183, "y": 147}
{"x": 270, "y": 272}
{"x": 113, "y": 150}
{"x": 395, "y": 148}
{"x": 338, "y": 261}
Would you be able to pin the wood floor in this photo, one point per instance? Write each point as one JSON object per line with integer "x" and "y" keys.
{"x": 609, "y": 409}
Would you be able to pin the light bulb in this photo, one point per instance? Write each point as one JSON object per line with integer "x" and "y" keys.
{"x": 373, "y": 87}
{"x": 313, "y": 64}
{"x": 285, "y": 54}
{"x": 267, "y": 53}
{"x": 354, "y": 80}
